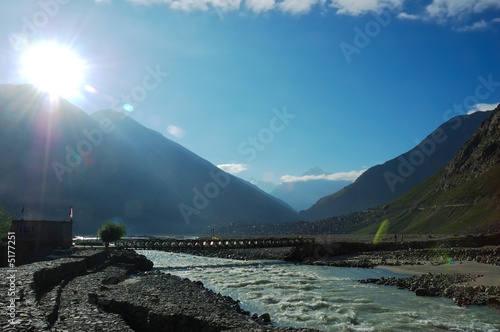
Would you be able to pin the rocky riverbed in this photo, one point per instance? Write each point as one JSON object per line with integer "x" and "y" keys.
{"x": 452, "y": 286}
{"x": 93, "y": 291}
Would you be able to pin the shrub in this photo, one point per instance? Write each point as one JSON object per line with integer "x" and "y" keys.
{"x": 111, "y": 232}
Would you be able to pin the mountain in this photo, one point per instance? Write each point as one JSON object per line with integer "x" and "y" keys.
{"x": 108, "y": 166}
{"x": 302, "y": 194}
{"x": 383, "y": 183}
{"x": 266, "y": 186}
{"x": 463, "y": 196}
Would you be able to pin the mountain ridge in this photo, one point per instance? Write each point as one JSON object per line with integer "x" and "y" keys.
{"x": 385, "y": 182}
{"x": 108, "y": 166}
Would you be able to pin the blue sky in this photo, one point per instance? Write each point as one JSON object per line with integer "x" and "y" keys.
{"x": 267, "y": 88}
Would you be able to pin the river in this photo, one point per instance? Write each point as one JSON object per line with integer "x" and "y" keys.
{"x": 325, "y": 298}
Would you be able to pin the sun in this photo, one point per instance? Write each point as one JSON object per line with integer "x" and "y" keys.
{"x": 54, "y": 68}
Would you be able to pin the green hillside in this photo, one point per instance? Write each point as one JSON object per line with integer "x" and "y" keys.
{"x": 463, "y": 197}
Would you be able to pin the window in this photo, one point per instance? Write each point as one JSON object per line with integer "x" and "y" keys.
{"x": 26, "y": 229}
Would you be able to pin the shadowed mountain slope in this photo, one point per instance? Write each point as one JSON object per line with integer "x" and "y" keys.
{"x": 109, "y": 166}
{"x": 383, "y": 183}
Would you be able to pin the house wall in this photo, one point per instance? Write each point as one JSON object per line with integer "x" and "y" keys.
{"x": 35, "y": 239}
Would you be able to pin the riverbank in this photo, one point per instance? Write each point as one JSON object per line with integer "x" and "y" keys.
{"x": 93, "y": 291}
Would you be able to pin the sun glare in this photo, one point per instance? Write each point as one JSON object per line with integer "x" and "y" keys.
{"x": 53, "y": 68}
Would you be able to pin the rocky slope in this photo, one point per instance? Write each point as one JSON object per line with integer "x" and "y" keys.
{"x": 463, "y": 196}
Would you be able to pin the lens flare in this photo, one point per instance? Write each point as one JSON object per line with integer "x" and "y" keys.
{"x": 382, "y": 230}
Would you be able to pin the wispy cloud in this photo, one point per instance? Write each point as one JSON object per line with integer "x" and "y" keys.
{"x": 406, "y": 16}
{"x": 482, "y": 108}
{"x": 341, "y": 176}
{"x": 233, "y": 168}
{"x": 190, "y": 5}
{"x": 357, "y": 7}
{"x": 259, "y": 6}
{"x": 175, "y": 131}
{"x": 457, "y": 8}
{"x": 297, "y": 6}
{"x": 452, "y": 12}
{"x": 479, "y": 25}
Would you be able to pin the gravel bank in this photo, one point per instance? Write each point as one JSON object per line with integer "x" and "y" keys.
{"x": 452, "y": 286}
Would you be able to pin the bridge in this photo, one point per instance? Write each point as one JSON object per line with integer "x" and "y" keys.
{"x": 183, "y": 245}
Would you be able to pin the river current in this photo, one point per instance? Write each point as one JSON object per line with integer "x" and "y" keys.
{"x": 325, "y": 298}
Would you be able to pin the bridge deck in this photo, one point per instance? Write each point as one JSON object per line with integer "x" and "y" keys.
{"x": 179, "y": 245}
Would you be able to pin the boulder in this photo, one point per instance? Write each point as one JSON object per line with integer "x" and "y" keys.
{"x": 422, "y": 292}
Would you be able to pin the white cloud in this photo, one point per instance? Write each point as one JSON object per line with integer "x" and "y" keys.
{"x": 259, "y": 6}
{"x": 441, "y": 11}
{"x": 357, "y": 7}
{"x": 189, "y": 5}
{"x": 346, "y": 176}
{"x": 175, "y": 131}
{"x": 233, "y": 168}
{"x": 457, "y": 8}
{"x": 482, "y": 108}
{"x": 480, "y": 25}
{"x": 406, "y": 16}
{"x": 297, "y": 6}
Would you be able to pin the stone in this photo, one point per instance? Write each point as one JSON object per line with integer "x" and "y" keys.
{"x": 266, "y": 318}
{"x": 422, "y": 292}
{"x": 493, "y": 301}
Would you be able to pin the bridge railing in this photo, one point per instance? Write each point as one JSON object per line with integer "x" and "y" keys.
{"x": 175, "y": 244}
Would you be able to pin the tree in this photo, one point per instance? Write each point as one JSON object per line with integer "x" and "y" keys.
{"x": 111, "y": 232}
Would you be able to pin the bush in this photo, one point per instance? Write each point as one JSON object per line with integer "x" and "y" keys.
{"x": 111, "y": 232}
